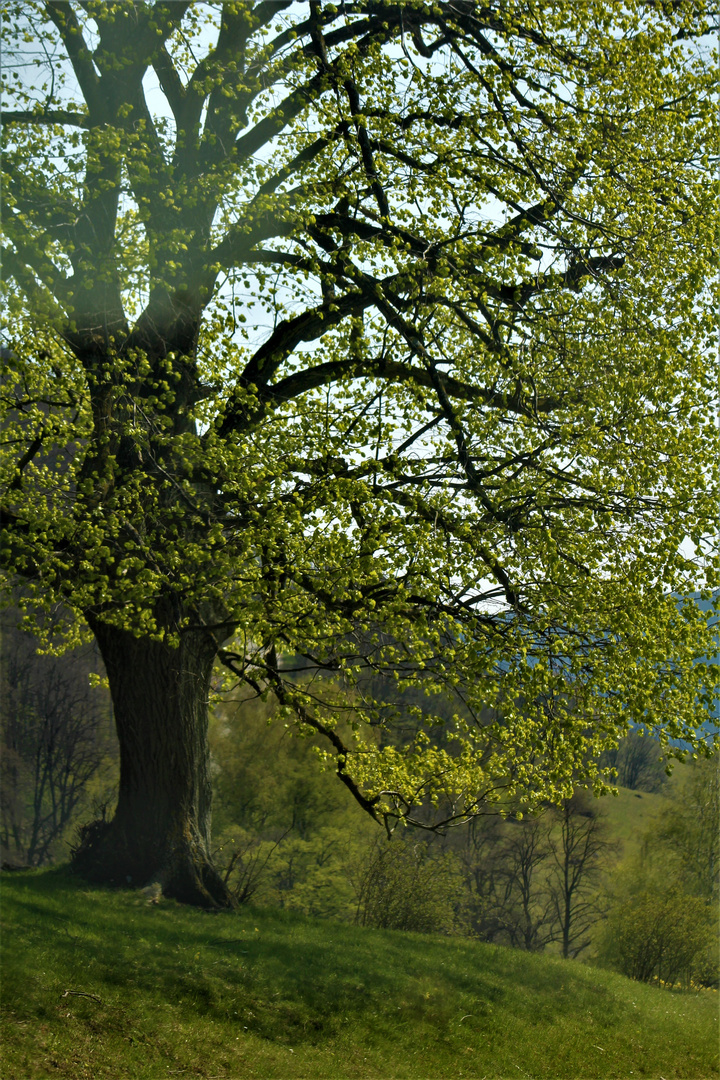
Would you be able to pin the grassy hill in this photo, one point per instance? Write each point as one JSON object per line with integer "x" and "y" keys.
{"x": 100, "y": 984}
{"x": 630, "y": 814}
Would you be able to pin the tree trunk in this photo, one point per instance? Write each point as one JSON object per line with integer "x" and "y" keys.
{"x": 160, "y": 833}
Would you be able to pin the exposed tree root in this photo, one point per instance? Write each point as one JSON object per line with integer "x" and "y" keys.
{"x": 183, "y": 871}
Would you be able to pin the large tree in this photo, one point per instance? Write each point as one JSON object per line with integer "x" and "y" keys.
{"x": 363, "y": 338}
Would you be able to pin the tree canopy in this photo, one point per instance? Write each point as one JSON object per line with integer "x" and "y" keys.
{"x": 373, "y": 338}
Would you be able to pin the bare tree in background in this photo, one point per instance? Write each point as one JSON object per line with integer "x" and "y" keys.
{"x": 505, "y": 867}
{"x": 521, "y": 899}
{"x": 638, "y": 762}
{"x": 56, "y": 736}
{"x": 579, "y": 850}
{"x": 535, "y": 881}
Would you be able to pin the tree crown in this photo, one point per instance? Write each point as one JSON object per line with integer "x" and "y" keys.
{"x": 377, "y": 335}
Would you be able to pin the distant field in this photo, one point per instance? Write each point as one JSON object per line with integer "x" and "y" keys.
{"x": 97, "y": 984}
{"x": 630, "y": 814}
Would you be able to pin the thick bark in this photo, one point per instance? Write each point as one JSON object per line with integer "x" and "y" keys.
{"x": 161, "y": 829}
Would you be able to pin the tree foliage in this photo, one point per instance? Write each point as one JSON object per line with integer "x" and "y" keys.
{"x": 377, "y": 335}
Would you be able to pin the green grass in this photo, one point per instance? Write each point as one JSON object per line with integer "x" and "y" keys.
{"x": 179, "y": 992}
{"x": 629, "y": 815}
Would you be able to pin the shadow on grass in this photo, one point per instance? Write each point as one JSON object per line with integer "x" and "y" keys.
{"x": 418, "y": 1002}
{"x": 290, "y": 975}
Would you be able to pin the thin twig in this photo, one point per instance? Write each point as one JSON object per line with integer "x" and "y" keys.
{"x": 81, "y": 993}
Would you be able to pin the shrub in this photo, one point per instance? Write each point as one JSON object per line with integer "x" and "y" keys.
{"x": 405, "y": 886}
{"x": 665, "y": 935}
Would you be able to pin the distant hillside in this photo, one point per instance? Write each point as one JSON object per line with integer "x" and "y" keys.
{"x": 630, "y": 814}
{"x": 707, "y": 606}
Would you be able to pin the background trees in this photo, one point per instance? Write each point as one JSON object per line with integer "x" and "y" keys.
{"x": 410, "y": 885}
{"x": 518, "y": 906}
{"x": 374, "y": 335}
{"x": 638, "y": 762}
{"x": 285, "y": 833}
{"x": 663, "y": 919}
{"x": 537, "y": 881}
{"x": 688, "y": 834}
{"x": 658, "y": 931}
{"x": 582, "y": 853}
{"x": 58, "y": 752}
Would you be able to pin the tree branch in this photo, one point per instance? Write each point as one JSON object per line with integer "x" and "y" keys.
{"x": 63, "y": 17}
{"x": 27, "y": 268}
{"x": 57, "y": 116}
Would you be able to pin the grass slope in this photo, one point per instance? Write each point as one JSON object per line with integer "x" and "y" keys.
{"x": 629, "y": 815}
{"x": 98, "y": 984}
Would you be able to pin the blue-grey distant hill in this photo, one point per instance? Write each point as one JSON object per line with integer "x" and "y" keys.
{"x": 713, "y": 725}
